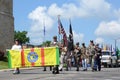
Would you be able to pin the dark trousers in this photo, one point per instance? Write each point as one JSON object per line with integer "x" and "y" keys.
{"x": 55, "y": 69}
{"x": 45, "y": 68}
{"x": 77, "y": 62}
{"x": 99, "y": 64}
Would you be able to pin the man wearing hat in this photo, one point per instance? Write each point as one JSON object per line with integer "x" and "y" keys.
{"x": 98, "y": 57}
{"x": 91, "y": 48}
{"x": 77, "y": 55}
{"x": 84, "y": 56}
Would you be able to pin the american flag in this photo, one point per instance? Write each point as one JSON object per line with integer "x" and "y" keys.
{"x": 62, "y": 31}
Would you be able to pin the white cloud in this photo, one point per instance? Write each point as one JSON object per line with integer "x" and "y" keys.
{"x": 117, "y": 13}
{"x": 78, "y": 37}
{"x": 108, "y": 29}
{"x": 99, "y": 8}
{"x": 99, "y": 40}
{"x": 66, "y": 11}
{"x": 39, "y": 16}
{"x": 86, "y": 8}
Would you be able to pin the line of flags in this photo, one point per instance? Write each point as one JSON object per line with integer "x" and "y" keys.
{"x": 66, "y": 40}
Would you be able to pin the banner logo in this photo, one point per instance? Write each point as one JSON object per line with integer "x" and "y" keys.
{"x": 32, "y": 57}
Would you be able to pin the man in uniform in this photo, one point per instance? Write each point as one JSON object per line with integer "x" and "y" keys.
{"x": 84, "y": 57}
{"x": 63, "y": 51}
{"x": 77, "y": 55}
{"x": 91, "y": 48}
{"x": 98, "y": 57}
{"x": 70, "y": 50}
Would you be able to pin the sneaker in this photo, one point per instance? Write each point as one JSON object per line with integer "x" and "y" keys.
{"x": 77, "y": 69}
{"x": 16, "y": 72}
{"x": 60, "y": 70}
{"x": 44, "y": 70}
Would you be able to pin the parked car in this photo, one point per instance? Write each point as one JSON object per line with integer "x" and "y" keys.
{"x": 108, "y": 60}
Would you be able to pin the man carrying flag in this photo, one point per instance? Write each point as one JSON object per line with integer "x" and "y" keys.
{"x": 63, "y": 44}
{"x": 70, "y": 48}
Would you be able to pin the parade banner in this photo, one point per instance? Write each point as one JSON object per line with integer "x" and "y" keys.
{"x": 33, "y": 57}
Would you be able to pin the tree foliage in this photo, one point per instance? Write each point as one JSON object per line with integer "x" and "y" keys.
{"x": 46, "y": 43}
{"x": 22, "y": 36}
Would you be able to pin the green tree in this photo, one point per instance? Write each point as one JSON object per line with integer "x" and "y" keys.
{"x": 46, "y": 43}
{"x": 22, "y": 36}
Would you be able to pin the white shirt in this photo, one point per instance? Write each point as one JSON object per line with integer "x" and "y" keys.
{"x": 16, "y": 47}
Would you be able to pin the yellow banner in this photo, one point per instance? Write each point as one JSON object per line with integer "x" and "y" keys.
{"x": 34, "y": 57}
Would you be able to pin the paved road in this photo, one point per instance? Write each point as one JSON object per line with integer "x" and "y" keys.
{"x": 38, "y": 74}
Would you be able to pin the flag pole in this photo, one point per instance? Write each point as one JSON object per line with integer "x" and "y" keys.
{"x": 59, "y": 28}
{"x": 44, "y": 30}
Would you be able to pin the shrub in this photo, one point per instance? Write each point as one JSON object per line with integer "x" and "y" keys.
{"x": 1, "y": 55}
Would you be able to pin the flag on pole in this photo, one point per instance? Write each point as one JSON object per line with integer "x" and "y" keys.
{"x": 44, "y": 30}
{"x": 33, "y": 57}
{"x": 60, "y": 26}
{"x": 70, "y": 40}
{"x": 62, "y": 31}
{"x": 70, "y": 32}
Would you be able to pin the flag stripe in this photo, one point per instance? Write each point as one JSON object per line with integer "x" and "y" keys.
{"x": 59, "y": 26}
{"x": 32, "y": 63}
{"x": 62, "y": 31}
{"x": 9, "y": 60}
{"x": 57, "y": 56}
{"x": 42, "y": 57}
{"x": 22, "y": 58}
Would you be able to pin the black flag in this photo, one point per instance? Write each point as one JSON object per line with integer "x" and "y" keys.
{"x": 70, "y": 40}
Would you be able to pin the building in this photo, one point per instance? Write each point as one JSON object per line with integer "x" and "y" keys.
{"x": 6, "y": 24}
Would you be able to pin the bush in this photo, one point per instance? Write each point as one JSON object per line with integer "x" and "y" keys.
{"x": 2, "y": 55}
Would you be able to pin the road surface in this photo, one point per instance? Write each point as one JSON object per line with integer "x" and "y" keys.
{"x": 39, "y": 74}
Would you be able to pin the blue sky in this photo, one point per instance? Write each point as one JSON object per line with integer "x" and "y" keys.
{"x": 97, "y": 20}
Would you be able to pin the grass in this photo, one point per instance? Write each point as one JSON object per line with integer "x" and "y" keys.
{"x": 4, "y": 63}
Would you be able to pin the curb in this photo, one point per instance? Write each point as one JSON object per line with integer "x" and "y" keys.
{"x": 30, "y": 68}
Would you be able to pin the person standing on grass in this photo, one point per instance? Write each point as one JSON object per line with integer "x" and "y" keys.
{"x": 16, "y": 46}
